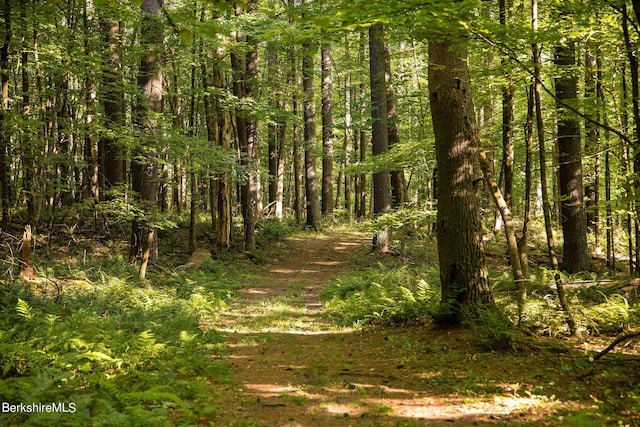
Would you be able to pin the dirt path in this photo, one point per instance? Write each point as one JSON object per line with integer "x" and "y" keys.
{"x": 291, "y": 367}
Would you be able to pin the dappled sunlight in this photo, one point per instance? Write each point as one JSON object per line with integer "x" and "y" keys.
{"x": 379, "y": 401}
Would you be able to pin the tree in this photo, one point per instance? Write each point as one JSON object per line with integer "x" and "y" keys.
{"x": 379, "y": 127}
{"x": 574, "y": 222}
{"x": 112, "y": 95}
{"x": 463, "y": 273}
{"x": 244, "y": 64}
{"x": 144, "y": 169}
{"x": 5, "y": 191}
{"x": 311, "y": 180}
{"x": 327, "y": 133}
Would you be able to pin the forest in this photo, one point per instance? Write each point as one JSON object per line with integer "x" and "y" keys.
{"x": 319, "y": 212}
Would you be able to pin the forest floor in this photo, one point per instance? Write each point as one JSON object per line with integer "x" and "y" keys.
{"x": 291, "y": 366}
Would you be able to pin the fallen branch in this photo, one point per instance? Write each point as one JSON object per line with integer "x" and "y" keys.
{"x": 624, "y": 337}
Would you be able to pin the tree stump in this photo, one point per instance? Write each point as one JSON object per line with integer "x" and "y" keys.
{"x": 27, "y": 271}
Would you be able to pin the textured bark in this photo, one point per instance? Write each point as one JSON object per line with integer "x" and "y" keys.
{"x": 574, "y": 223}
{"x": 546, "y": 207}
{"x": 144, "y": 170}
{"x": 348, "y": 140}
{"x": 635, "y": 103}
{"x": 5, "y": 190}
{"x": 29, "y": 183}
{"x": 463, "y": 273}
{"x": 223, "y": 179}
{"x": 398, "y": 182}
{"x": 112, "y": 94}
{"x": 508, "y": 106}
{"x": 244, "y": 70}
{"x": 311, "y": 183}
{"x": 27, "y": 270}
{"x": 379, "y": 132}
{"x": 327, "y": 134}
{"x": 361, "y": 191}
{"x": 509, "y": 230}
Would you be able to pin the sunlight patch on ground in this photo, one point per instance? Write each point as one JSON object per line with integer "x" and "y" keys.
{"x": 277, "y": 330}
{"x": 361, "y": 399}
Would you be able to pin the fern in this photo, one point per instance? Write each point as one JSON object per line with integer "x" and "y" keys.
{"x": 24, "y": 309}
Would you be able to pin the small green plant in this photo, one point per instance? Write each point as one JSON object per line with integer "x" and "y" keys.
{"x": 386, "y": 295}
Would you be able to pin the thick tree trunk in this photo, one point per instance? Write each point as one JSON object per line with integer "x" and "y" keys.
{"x": 463, "y": 272}
{"x": 380, "y": 130}
{"x": 311, "y": 183}
{"x": 112, "y": 94}
{"x": 574, "y": 223}
{"x": 327, "y": 134}
{"x": 144, "y": 170}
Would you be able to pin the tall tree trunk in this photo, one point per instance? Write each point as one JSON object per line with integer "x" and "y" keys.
{"x": 327, "y": 134}
{"x": 348, "y": 140}
{"x": 380, "y": 130}
{"x": 546, "y": 207}
{"x": 112, "y": 95}
{"x": 635, "y": 103}
{"x": 5, "y": 188}
{"x": 592, "y": 141}
{"x": 398, "y": 182}
{"x": 508, "y": 105}
{"x": 223, "y": 179}
{"x": 144, "y": 170}
{"x": 91, "y": 174}
{"x": 29, "y": 148}
{"x": 311, "y": 183}
{"x": 522, "y": 242}
{"x": 244, "y": 70}
{"x": 272, "y": 129}
{"x": 361, "y": 192}
{"x": 463, "y": 272}
{"x": 574, "y": 223}
{"x": 298, "y": 197}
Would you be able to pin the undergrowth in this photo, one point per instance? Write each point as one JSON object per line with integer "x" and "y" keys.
{"x": 383, "y": 294}
{"x": 117, "y": 352}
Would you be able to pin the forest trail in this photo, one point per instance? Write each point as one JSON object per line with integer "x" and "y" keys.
{"x": 290, "y": 366}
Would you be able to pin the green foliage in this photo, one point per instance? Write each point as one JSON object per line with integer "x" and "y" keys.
{"x": 272, "y": 230}
{"x": 111, "y": 348}
{"x": 493, "y": 328}
{"x": 387, "y": 295}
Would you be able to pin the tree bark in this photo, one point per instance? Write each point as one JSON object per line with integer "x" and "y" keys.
{"x": 327, "y": 134}
{"x": 311, "y": 182}
{"x": 144, "y": 170}
{"x": 380, "y": 129}
{"x": 509, "y": 230}
{"x": 112, "y": 95}
{"x": 463, "y": 272}
{"x": 574, "y": 223}
{"x": 546, "y": 207}
{"x": 398, "y": 182}
{"x": 361, "y": 192}
{"x": 5, "y": 189}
